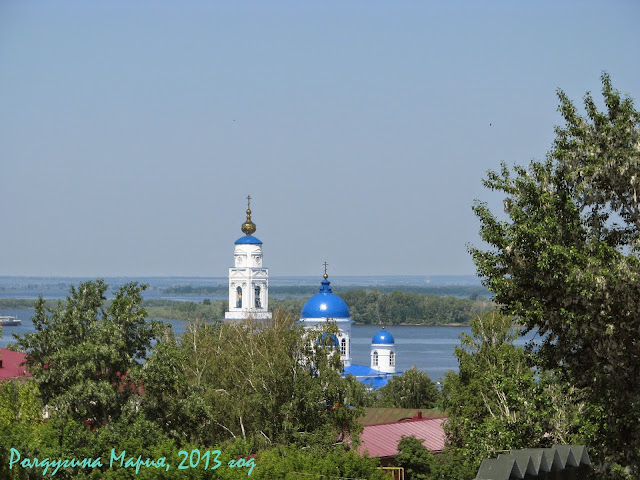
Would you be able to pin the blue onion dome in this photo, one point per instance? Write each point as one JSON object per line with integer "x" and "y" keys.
{"x": 383, "y": 338}
{"x": 325, "y": 304}
{"x": 248, "y": 239}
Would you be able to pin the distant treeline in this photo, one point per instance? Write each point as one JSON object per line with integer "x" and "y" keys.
{"x": 366, "y": 307}
{"x": 35, "y": 286}
{"x": 407, "y": 307}
{"x": 23, "y": 303}
{"x": 210, "y": 311}
{"x": 374, "y": 306}
{"x": 461, "y": 291}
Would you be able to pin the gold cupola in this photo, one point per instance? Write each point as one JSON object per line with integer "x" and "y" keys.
{"x": 248, "y": 227}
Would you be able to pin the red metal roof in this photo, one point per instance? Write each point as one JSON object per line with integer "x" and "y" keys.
{"x": 11, "y": 364}
{"x": 382, "y": 440}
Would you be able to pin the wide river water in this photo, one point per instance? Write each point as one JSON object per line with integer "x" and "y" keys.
{"x": 428, "y": 348}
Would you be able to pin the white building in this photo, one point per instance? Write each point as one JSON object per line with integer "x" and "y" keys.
{"x": 248, "y": 279}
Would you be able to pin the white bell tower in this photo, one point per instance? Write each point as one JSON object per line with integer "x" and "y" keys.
{"x": 248, "y": 279}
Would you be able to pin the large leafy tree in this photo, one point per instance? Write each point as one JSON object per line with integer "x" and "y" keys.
{"x": 494, "y": 402}
{"x": 414, "y": 457}
{"x": 85, "y": 352}
{"x": 173, "y": 403}
{"x": 566, "y": 261}
{"x": 271, "y": 384}
{"x": 412, "y": 389}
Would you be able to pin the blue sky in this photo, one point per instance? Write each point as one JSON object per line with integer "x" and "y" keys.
{"x": 131, "y": 132}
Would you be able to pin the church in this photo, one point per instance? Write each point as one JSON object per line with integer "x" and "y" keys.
{"x": 249, "y": 299}
{"x": 325, "y": 306}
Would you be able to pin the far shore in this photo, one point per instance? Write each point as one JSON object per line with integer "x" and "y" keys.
{"x": 416, "y": 324}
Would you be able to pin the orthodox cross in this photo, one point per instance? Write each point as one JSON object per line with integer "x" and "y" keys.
{"x": 325, "y": 269}
{"x": 248, "y": 201}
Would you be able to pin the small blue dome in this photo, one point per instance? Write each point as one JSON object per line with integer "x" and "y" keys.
{"x": 248, "y": 239}
{"x": 325, "y": 304}
{"x": 383, "y": 338}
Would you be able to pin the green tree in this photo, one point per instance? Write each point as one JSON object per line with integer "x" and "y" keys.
{"x": 271, "y": 384}
{"x": 412, "y": 389}
{"x": 289, "y": 463}
{"x": 566, "y": 261}
{"x": 174, "y": 404}
{"x": 494, "y": 403}
{"x": 20, "y": 417}
{"x": 19, "y": 401}
{"x": 415, "y": 458}
{"x": 83, "y": 353}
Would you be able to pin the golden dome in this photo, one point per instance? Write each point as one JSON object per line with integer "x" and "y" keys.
{"x": 248, "y": 227}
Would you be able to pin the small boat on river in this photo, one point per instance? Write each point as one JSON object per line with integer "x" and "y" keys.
{"x": 10, "y": 321}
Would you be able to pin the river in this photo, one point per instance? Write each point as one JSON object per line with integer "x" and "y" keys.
{"x": 429, "y": 348}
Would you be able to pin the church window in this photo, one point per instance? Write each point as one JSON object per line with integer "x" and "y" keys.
{"x": 343, "y": 346}
{"x": 257, "y": 302}
{"x": 239, "y": 297}
{"x": 375, "y": 358}
{"x": 392, "y": 359}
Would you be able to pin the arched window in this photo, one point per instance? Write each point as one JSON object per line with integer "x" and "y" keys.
{"x": 375, "y": 358}
{"x": 392, "y": 359}
{"x": 239, "y": 297}
{"x": 257, "y": 292}
{"x": 343, "y": 346}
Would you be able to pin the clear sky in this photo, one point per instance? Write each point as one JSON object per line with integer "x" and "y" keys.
{"x": 131, "y": 132}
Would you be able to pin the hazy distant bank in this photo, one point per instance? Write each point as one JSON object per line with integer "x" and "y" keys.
{"x": 366, "y": 307}
{"x": 171, "y": 287}
{"x": 399, "y": 300}
{"x": 34, "y": 283}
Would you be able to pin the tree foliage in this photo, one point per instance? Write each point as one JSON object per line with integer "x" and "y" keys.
{"x": 176, "y": 405}
{"x": 83, "y": 353}
{"x": 291, "y": 462}
{"x": 495, "y": 402}
{"x": 262, "y": 383}
{"x": 268, "y": 389}
{"x": 414, "y": 457}
{"x": 412, "y": 389}
{"x": 19, "y": 400}
{"x": 270, "y": 384}
{"x": 566, "y": 261}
